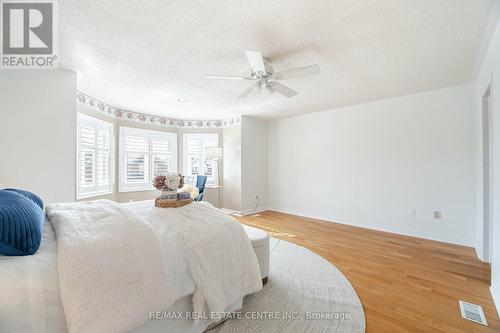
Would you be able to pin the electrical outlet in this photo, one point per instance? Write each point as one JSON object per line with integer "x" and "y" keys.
{"x": 413, "y": 212}
{"x": 436, "y": 214}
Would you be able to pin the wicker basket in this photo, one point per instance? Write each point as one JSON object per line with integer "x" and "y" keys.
{"x": 171, "y": 203}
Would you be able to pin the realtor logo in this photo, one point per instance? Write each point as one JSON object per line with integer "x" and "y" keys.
{"x": 29, "y": 38}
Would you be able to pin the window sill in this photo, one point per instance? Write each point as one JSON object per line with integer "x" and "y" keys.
{"x": 136, "y": 189}
{"x": 92, "y": 195}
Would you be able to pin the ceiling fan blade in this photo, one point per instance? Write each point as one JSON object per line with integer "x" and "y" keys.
{"x": 226, "y": 77}
{"x": 256, "y": 61}
{"x": 282, "y": 89}
{"x": 250, "y": 89}
{"x": 296, "y": 72}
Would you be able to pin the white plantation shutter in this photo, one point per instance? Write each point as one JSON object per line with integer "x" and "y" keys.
{"x": 162, "y": 159}
{"x": 94, "y": 157}
{"x": 136, "y": 150}
{"x": 145, "y": 154}
{"x": 195, "y": 162}
{"x": 87, "y": 148}
{"x": 103, "y": 157}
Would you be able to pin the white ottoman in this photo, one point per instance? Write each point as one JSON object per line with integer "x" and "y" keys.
{"x": 260, "y": 243}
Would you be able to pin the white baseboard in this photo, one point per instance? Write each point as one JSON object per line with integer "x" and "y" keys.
{"x": 386, "y": 228}
{"x": 479, "y": 252}
{"x": 495, "y": 294}
{"x": 481, "y": 255}
{"x": 253, "y": 211}
{"x": 243, "y": 213}
{"x": 230, "y": 211}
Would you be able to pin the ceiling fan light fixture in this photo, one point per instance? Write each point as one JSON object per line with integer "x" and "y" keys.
{"x": 265, "y": 78}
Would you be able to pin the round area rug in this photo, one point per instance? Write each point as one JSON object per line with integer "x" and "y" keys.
{"x": 304, "y": 293}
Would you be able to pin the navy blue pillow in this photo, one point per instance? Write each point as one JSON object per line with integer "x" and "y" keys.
{"x": 21, "y": 221}
{"x": 29, "y": 195}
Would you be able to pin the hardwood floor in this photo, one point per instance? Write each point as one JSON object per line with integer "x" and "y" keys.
{"x": 406, "y": 284}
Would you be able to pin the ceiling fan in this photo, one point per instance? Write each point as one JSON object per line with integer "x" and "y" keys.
{"x": 263, "y": 76}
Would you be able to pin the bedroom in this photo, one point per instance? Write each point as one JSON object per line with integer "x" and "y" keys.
{"x": 186, "y": 166}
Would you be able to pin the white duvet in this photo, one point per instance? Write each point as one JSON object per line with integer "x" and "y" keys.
{"x": 29, "y": 293}
{"x": 29, "y": 290}
{"x": 219, "y": 254}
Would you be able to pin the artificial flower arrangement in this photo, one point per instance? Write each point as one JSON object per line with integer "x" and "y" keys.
{"x": 168, "y": 185}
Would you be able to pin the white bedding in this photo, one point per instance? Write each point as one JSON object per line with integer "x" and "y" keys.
{"x": 219, "y": 254}
{"x": 29, "y": 290}
{"x": 111, "y": 266}
{"x": 30, "y": 298}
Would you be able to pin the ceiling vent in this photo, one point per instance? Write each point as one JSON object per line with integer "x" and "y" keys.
{"x": 473, "y": 312}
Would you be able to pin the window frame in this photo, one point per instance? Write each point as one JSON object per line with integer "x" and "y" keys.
{"x": 95, "y": 190}
{"x": 150, "y": 135}
{"x": 214, "y": 181}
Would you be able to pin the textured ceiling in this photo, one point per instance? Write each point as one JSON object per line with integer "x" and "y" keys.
{"x": 144, "y": 55}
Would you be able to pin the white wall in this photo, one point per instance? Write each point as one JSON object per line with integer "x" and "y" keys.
{"x": 253, "y": 165}
{"x": 231, "y": 191}
{"x": 489, "y": 74}
{"x": 38, "y": 132}
{"x": 370, "y": 164}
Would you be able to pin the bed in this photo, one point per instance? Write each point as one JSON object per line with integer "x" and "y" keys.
{"x": 30, "y": 299}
